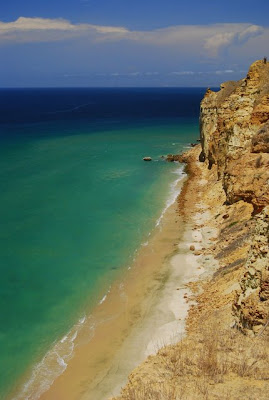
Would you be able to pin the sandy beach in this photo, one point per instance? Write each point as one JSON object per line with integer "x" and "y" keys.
{"x": 143, "y": 311}
{"x": 174, "y": 332}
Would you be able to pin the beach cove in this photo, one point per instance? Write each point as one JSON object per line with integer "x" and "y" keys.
{"x": 224, "y": 354}
{"x": 152, "y": 303}
{"x": 78, "y": 204}
{"x": 172, "y": 322}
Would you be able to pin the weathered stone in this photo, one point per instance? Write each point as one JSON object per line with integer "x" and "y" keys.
{"x": 175, "y": 157}
{"x": 251, "y": 306}
{"x": 260, "y": 141}
{"x": 202, "y": 157}
{"x": 234, "y": 125}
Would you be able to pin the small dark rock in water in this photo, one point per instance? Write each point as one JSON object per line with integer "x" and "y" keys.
{"x": 193, "y": 144}
{"x": 147, "y": 158}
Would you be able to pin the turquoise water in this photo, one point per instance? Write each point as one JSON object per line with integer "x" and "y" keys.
{"x": 76, "y": 202}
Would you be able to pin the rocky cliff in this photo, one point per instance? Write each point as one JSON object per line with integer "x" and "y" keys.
{"x": 225, "y": 204}
{"x": 215, "y": 360}
{"x": 234, "y": 128}
{"x": 252, "y": 301}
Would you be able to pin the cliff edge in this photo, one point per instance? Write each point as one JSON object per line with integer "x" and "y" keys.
{"x": 234, "y": 126}
{"x": 234, "y": 131}
{"x": 225, "y": 352}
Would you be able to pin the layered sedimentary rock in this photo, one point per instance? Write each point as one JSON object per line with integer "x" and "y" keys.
{"x": 234, "y": 132}
{"x": 252, "y": 303}
{"x": 229, "y": 190}
{"x": 234, "y": 128}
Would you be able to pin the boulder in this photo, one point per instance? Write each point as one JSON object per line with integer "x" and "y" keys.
{"x": 174, "y": 157}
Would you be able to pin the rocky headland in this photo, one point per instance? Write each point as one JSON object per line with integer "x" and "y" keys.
{"x": 225, "y": 352}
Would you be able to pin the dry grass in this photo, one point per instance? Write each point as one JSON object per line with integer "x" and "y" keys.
{"x": 214, "y": 364}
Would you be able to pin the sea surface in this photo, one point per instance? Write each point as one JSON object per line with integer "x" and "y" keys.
{"x": 76, "y": 203}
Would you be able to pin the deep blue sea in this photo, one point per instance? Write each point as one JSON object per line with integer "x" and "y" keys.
{"x": 77, "y": 201}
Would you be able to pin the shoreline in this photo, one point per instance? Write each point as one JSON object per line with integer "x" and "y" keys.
{"x": 224, "y": 353}
{"x": 213, "y": 360}
{"x": 100, "y": 363}
{"x": 124, "y": 296}
{"x": 152, "y": 303}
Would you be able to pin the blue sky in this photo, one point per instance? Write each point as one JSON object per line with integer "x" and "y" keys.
{"x": 130, "y": 43}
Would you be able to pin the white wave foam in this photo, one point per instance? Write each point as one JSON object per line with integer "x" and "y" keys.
{"x": 145, "y": 244}
{"x": 103, "y": 299}
{"x": 63, "y": 339}
{"x": 61, "y": 362}
{"x": 55, "y": 362}
{"x": 52, "y": 365}
{"x": 174, "y": 192}
{"x": 105, "y": 296}
{"x": 74, "y": 336}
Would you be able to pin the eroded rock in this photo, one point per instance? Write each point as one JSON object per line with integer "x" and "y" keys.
{"x": 251, "y": 306}
{"x": 234, "y": 126}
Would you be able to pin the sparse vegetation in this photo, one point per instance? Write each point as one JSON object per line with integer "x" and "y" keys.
{"x": 202, "y": 367}
{"x": 233, "y": 223}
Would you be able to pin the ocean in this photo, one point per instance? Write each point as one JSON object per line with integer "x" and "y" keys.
{"x": 77, "y": 201}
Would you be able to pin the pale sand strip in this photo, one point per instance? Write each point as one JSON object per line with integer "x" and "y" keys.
{"x": 164, "y": 322}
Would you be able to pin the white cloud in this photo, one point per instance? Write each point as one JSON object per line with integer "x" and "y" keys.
{"x": 44, "y": 29}
{"x": 250, "y": 31}
{"x": 182, "y": 73}
{"x": 226, "y": 71}
{"x": 233, "y": 34}
{"x": 202, "y": 39}
{"x": 125, "y": 73}
{"x": 149, "y": 73}
{"x": 215, "y": 42}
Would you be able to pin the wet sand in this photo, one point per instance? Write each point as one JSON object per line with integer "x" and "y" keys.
{"x": 143, "y": 311}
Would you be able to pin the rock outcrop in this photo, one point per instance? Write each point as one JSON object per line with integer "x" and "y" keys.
{"x": 234, "y": 131}
{"x": 174, "y": 157}
{"x": 252, "y": 303}
{"x": 226, "y": 200}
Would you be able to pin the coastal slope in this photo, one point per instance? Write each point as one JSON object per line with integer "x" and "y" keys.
{"x": 235, "y": 136}
{"x": 224, "y": 354}
{"x": 235, "y": 139}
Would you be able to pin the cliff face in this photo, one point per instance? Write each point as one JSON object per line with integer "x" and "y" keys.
{"x": 225, "y": 203}
{"x": 234, "y": 129}
{"x": 252, "y": 303}
{"x": 214, "y": 361}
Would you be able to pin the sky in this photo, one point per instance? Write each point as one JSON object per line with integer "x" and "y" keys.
{"x": 124, "y": 43}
